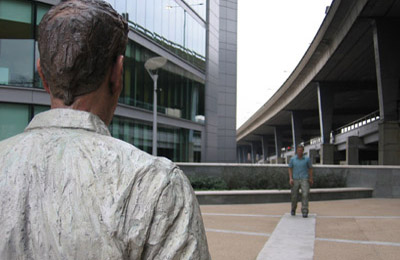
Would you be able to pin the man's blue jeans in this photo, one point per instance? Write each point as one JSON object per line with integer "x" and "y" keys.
{"x": 304, "y": 185}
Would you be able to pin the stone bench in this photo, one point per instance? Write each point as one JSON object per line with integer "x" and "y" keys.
{"x": 271, "y": 196}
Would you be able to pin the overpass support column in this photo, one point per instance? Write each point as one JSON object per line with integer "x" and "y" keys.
{"x": 264, "y": 143}
{"x": 325, "y": 108}
{"x": 254, "y": 151}
{"x": 352, "y": 150}
{"x": 278, "y": 145}
{"x": 297, "y": 120}
{"x": 387, "y": 61}
{"x": 246, "y": 150}
{"x": 327, "y": 153}
{"x": 313, "y": 154}
{"x": 239, "y": 154}
{"x": 252, "y": 155}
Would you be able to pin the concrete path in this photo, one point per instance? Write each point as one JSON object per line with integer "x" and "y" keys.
{"x": 293, "y": 239}
{"x": 362, "y": 229}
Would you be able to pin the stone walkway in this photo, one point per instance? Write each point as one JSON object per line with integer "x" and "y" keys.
{"x": 344, "y": 229}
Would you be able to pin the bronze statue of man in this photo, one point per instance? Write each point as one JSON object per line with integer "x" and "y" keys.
{"x": 68, "y": 190}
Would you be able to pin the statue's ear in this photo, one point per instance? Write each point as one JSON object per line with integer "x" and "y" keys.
{"x": 116, "y": 75}
{"x": 45, "y": 85}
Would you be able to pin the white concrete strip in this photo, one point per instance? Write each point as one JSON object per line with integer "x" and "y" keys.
{"x": 279, "y": 216}
{"x": 293, "y": 238}
{"x": 362, "y": 217}
{"x": 273, "y": 192}
{"x": 238, "y": 232}
{"x": 241, "y": 215}
{"x": 377, "y": 243}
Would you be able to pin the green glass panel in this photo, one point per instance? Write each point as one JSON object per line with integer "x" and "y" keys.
{"x": 41, "y": 10}
{"x": 17, "y": 11}
{"x": 13, "y": 119}
{"x": 39, "y": 109}
{"x": 15, "y": 19}
{"x": 16, "y": 62}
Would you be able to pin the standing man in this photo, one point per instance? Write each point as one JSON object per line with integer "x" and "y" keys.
{"x": 300, "y": 177}
{"x": 68, "y": 190}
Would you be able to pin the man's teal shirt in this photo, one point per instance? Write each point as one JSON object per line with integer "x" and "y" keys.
{"x": 300, "y": 167}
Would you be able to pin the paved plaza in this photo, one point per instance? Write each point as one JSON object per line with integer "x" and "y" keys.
{"x": 343, "y": 229}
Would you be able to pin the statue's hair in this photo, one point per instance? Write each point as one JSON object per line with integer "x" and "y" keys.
{"x": 79, "y": 40}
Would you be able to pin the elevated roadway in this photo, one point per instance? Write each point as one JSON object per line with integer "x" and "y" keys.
{"x": 347, "y": 79}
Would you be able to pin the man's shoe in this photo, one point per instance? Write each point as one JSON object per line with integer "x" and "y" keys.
{"x": 293, "y": 212}
{"x": 305, "y": 214}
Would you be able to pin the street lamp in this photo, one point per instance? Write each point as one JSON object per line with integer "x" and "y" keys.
{"x": 152, "y": 65}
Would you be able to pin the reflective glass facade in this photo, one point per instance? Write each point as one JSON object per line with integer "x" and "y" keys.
{"x": 181, "y": 94}
{"x": 18, "y": 46}
{"x": 15, "y": 117}
{"x": 177, "y": 144}
{"x": 168, "y": 24}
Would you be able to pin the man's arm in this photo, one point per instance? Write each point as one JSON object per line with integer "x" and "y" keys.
{"x": 310, "y": 172}
{"x": 291, "y": 182}
{"x": 310, "y": 176}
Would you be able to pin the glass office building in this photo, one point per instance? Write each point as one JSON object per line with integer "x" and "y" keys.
{"x": 173, "y": 29}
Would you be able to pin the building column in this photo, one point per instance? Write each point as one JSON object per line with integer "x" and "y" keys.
{"x": 387, "y": 60}
{"x": 389, "y": 143}
{"x": 278, "y": 144}
{"x": 257, "y": 147}
{"x": 264, "y": 145}
{"x": 325, "y": 109}
{"x": 352, "y": 150}
{"x": 244, "y": 153}
{"x": 327, "y": 153}
{"x": 239, "y": 154}
{"x": 297, "y": 121}
{"x": 313, "y": 154}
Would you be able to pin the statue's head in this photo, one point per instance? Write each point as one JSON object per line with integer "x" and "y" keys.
{"x": 79, "y": 41}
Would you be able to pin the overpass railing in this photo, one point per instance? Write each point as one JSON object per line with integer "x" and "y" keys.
{"x": 358, "y": 123}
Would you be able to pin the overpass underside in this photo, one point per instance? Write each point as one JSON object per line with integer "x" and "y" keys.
{"x": 342, "y": 101}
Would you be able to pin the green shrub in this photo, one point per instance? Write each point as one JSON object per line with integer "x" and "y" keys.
{"x": 207, "y": 183}
{"x": 261, "y": 181}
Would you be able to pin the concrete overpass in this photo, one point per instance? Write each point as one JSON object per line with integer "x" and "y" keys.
{"x": 342, "y": 100}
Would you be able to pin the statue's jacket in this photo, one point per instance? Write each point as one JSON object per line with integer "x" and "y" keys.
{"x": 68, "y": 190}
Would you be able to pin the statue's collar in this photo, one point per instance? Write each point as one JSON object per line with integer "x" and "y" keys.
{"x": 69, "y": 118}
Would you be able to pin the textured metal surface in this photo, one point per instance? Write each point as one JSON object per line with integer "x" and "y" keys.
{"x": 70, "y": 191}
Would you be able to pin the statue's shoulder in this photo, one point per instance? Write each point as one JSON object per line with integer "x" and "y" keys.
{"x": 133, "y": 157}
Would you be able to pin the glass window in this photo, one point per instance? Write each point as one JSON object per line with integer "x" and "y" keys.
{"x": 168, "y": 24}
{"x": 166, "y": 7}
{"x": 13, "y": 119}
{"x": 131, "y": 10}
{"x": 41, "y": 10}
{"x": 158, "y": 11}
{"x": 16, "y": 48}
{"x": 39, "y": 109}
{"x": 150, "y": 15}
{"x": 180, "y": 92}
{"x": 16, "y": 62}
{"x": 15, "y": 19}
{"x": 199, "y": 6}
{"x": 177, "y": 144}
{"x": 141, "y": 12}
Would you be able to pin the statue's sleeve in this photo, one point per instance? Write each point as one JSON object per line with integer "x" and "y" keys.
{"x": 176, "y": 229}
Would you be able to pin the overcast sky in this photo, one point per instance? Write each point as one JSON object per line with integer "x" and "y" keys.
{"x": 273, "y": 36}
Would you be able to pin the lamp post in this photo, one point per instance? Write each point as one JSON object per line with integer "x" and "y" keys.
{"x": 152, "y": 65}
